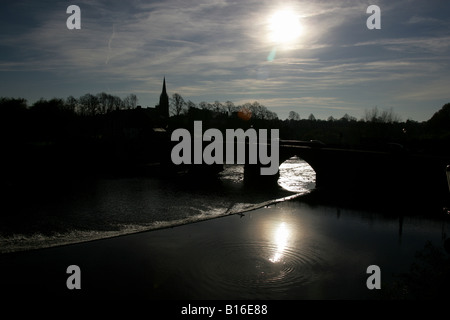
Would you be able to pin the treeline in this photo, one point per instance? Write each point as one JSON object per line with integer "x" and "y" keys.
{"x": 56, "y": 118}
{"x": 102, "y": 131}
{"x": 179, "y": 107}
{"x": 103, "y": 134}
{"x": 86, "y": 117}
{"x": 73, "y": 136}
{"x": 381, "y": 130}
{"x": 377, "y": 130}
{"x": 372, "y": 115}
{"x": 89, "y": 104}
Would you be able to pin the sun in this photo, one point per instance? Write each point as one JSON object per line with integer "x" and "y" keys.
{"x": 284, "y": 27}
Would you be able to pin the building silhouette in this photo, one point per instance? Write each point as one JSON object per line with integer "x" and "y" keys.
{"x": 162, "y": 109}
{"x": 158, "y": 116}
{"x": 140, "y": 134}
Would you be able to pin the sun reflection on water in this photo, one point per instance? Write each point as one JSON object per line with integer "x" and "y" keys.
{"x": 281, "y": 239}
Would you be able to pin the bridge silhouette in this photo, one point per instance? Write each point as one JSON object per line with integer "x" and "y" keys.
{"x": 354, "y": 171}
{"x": 339, "y": 169}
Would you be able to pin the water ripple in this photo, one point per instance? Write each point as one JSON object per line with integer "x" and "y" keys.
{"x": 249, "y": 268}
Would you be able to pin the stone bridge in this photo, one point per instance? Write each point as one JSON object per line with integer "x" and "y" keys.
{"x": 364, "y": 170}
{"x": 371, "y": 172}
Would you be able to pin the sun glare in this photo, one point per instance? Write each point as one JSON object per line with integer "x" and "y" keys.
{"x": 281, "y": 240}
{"x": 284, "y": 27}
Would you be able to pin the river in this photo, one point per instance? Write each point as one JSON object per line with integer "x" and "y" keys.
{"x": 292, "y": 247}
{"x": 84, "y": 210}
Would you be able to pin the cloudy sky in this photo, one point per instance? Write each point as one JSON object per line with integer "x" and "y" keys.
{"x": 327, "y": 62}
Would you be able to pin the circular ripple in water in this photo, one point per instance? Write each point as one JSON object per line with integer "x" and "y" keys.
{"x": 258, "y": 270}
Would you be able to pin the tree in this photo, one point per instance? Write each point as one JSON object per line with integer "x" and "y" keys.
{"x": 13, "y": 119}
{"x": 71, "y": 103}
{"x": 441, "y": 118}
{"x": 116, "y": 103}
{"x": 258, "y": 111}
{"x": 12, "y": 105}
{"x": 103, "y": 102}
{"x": 204, "y": 105}
{"x": 347, "y": 118}
{"x": 177, "y": 104}
{"x": 218, "y": 107}
{"x": 385, "y": 116}
{"x": 89, "y": 105}
{"x": 311, "y": 117}
{"x": 388, "y": 116}
{"x": 50, "y": 118}
{"x": 371, "y": 115}
{"x": 230, "y": 107}
{"x": 191, "y": 105}
{"x": 294, "y": 116}
{"x": 130, "y": 101}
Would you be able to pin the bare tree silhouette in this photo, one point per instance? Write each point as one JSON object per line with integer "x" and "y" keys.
{"x": 177, "y": 105}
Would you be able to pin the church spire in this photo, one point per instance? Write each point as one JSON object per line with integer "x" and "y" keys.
{"x": 164, "y": 87}
{"x": 164, "y": 101}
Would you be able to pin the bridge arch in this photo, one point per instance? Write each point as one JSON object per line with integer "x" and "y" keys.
{"x": 308, "y": 154}
{"x": 296, "y": 175}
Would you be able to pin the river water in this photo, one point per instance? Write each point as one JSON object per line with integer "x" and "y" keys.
{"x": 297, "y": 249}
{"x": 101, "y": 208}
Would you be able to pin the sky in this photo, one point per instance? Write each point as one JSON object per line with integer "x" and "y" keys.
{"x": 319, "y": 57}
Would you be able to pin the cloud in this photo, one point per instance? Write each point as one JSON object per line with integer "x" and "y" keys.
{"x": 436, "y": 89}
{"x": 217, "y": 50}
{"x": 424, "y": 20}
{"x": 109, "y": 44}
{"x": 439, "y": 45}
